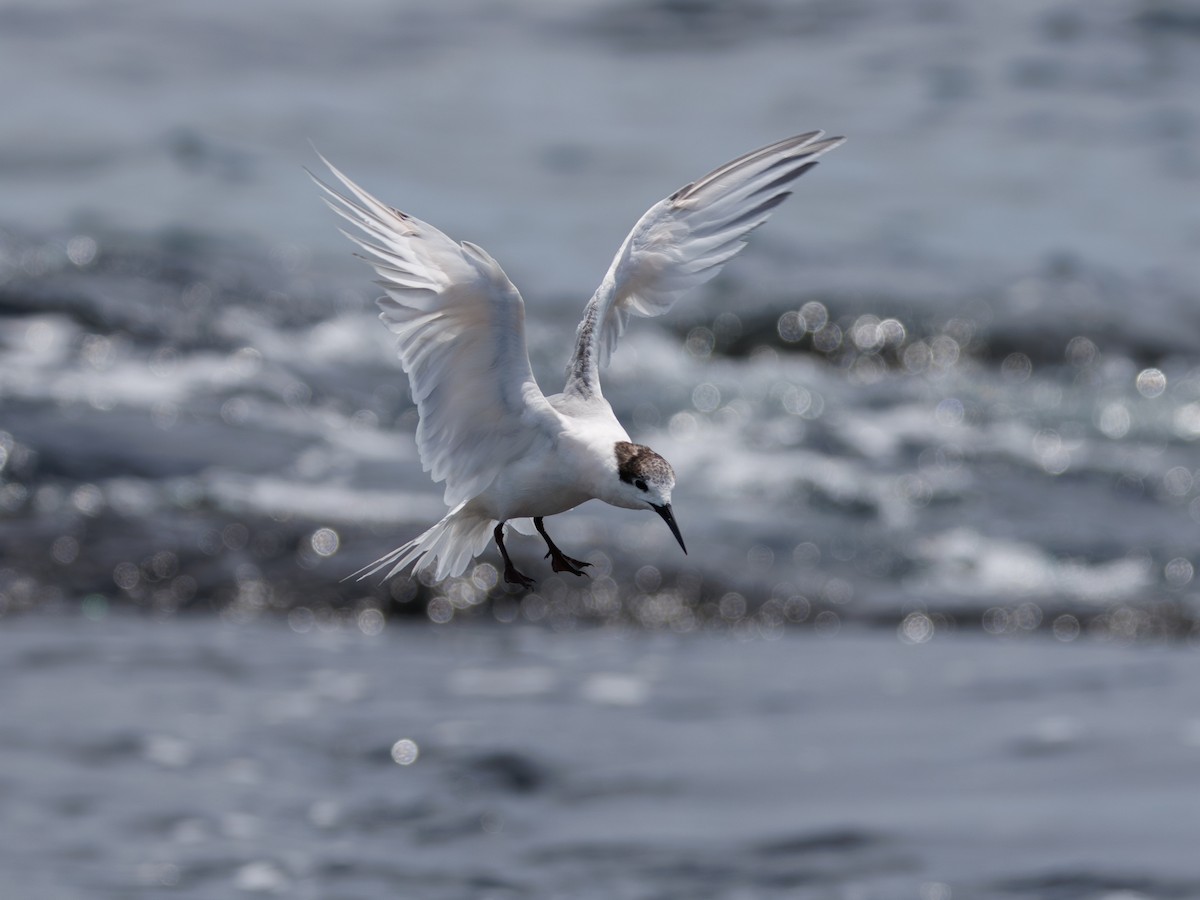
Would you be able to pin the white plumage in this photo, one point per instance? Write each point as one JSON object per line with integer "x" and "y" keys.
{"x": 504, "y": 450}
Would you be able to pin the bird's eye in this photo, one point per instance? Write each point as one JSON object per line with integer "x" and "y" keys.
{"x": 640, "y": 485}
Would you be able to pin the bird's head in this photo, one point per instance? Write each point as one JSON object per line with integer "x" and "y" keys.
{"x": 645, "y": 481}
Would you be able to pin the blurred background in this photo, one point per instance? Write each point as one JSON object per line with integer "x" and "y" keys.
{"x": 949, "y": 394}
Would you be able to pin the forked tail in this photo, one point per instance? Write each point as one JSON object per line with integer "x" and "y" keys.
{"x": 447, "y": 547}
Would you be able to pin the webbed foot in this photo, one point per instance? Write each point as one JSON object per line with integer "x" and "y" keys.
{"x": 560, "y": 562}
{"x": 512, "y": 576}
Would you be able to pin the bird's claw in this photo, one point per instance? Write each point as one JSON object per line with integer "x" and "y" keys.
{"x": 512, "y": 576}
{"x": 562, "y": 563}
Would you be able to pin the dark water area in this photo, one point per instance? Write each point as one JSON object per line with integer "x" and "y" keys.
{"x": 195, "y": 758}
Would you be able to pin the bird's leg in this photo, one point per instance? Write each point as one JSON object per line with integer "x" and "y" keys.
{"x": 511, "y": 575}
{"x": 558, "y": 561}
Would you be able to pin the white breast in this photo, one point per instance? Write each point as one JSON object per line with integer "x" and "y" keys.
{"x": 576, "y": 468}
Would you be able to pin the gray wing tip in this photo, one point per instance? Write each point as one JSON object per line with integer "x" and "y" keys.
{"x": 828, "y": 144}
{"x": 816, "y": 146}
{"x": 807, "y": 146}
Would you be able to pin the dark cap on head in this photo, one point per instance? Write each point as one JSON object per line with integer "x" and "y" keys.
{"x": 639, "y": 461}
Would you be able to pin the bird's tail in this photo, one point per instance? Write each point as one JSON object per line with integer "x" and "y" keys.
{"x": 447, "y": 547}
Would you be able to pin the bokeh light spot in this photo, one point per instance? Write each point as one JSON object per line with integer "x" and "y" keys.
{"x": 828, "y": 339}
{"x": 405, "y": 752}
{"x": 325, "y": 542}
{"x": 484, "y": 576}
{"x": 893, "y": 332}
{"x": 944, "y": 351}
{"x": 82, "y": 250}
{"x": 791, "y": 327}
{"x": 794, "y": 399}
{"x": 440, "y": 610}
{"x": 261, "y": 877}
{"x": 1017, "y": 367}
{"x": 917, "y": 628}
{"x": 1065, "y": 628}
{"x": 1178, "y": 572}
{"x": 1081, "y": 352}
{"x": 301, "y": 619}
{"x": 866, "y": 333}
{"x": 1178, "y": 481}
{"x": 65, "y": 549}
{"x": 1052, "y": 454}
{"x": 917, "y": 357}
{"x": 94, "y": 607}
{"x": 370, "y": 621}
{"x": 700, "y": 342}
{"x": 949, "y": 412}
{"x": 682, "y": 425}
{"x": 837, "y": 591}
{"x": 1114, "y": 421}
{"x": 88, "y": 499}
{"x": 1151, "y": 383}
{"x": 806, "y": 554}
{"x": 827, "y": 623}
{"x": 916, "y": 491}
{"x": 126, "y": 576}
{"x": 648, "y": 579}
{"x": 732, "y": 606}
{"x": 815, "y": 315}
{"x": 1187, "y": 421}
{"x": 996, "y": 620}
{"x": 1027, "y": 616}
{"x": 706, "y": 397}
{"x": 760, "y": 557}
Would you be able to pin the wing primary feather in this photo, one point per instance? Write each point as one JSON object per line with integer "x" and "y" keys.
{"x": 763, "y": 209}
{"x": 460, "y": 335}
{"x": 364, "y": 221}
{"x": 777, "y": 154}
{"x": 778, "y": 147}
{"x": 367, "y": 212}
{"x": 786, "y": 178}
{"x": 366, "y": 199}
{"x": 683, "y": 241}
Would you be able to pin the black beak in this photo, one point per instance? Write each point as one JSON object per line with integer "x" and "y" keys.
{"x": 665, "y": 512}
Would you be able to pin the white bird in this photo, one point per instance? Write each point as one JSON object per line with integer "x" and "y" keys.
{"x": 506, "y": 451}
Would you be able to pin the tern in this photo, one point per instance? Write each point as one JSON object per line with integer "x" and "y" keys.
{"x": 507, "y": 452}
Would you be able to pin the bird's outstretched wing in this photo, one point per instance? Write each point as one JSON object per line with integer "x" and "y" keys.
{"x": 683, "y": 241}
{"x": 460, "y": 327}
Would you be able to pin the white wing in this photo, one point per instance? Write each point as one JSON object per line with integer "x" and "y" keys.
{"x": 683, "y": 241}
{"x": 460, "y": 325}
